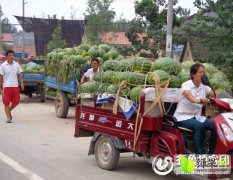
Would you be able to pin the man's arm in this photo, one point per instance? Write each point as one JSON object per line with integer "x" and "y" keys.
{"x": 83, "y": 79}
{"x": 20, "y": 77}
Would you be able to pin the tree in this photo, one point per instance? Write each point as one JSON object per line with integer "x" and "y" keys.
{"x": 57, "y": 41}
{"x": 152, "y": 20}
{"x": 213, "y": 27}
{"x": 99, "y": 16}
{"x": 7, "y": 27}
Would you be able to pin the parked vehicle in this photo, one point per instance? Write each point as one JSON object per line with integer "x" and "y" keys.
{"x": 66, "y": 94}
{"x": 34, "y": 83}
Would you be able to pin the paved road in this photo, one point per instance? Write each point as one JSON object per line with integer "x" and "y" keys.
{"x": 38, "y": 146}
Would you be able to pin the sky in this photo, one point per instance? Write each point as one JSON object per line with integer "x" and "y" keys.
{"x": 41, "y": 8}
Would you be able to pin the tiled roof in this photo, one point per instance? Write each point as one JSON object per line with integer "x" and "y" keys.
{"x": 7, "y": 37}
{"x": 119, "y": 38}
{"x": 28, "y": 49}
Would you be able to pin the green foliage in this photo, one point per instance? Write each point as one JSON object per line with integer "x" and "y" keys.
{"x": 212, "y": 27}
{"x": 57, "y": 41}
{"x": 98, "y": 16}
{"x": 152, "y": 20}
{"x": 7, "y": 27}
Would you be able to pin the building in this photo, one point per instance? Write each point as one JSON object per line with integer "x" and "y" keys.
{"x": 119, "y": 38}
{"x": 7, "y": 39}
{"x": 29, "y": 44}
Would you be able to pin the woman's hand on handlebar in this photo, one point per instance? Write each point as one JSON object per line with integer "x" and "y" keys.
{"x": 205, "y": 101}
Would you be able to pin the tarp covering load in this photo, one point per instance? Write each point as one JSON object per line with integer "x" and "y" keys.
{"x": 72, "y": 31}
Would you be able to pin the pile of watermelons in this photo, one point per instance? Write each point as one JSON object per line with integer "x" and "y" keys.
{"x": 140, "y": 71}
{"x": 65, "y": 63}
{"x": 32, "y": 69}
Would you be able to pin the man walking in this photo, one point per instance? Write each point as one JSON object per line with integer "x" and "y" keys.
{"x": 10, "y": 75}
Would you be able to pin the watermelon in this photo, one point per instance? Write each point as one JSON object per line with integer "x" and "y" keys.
{"x": 187, "y": 64}
{"x": 216, "y": 84}
{"x": 60, "y": 55}
{"x": 163, "y": 76}
{"x": 141, "y": 64}
{"x": 184, "y": 75}
{"x": 171, "y": 66}
{"x": 103, "y": 87}
{"x": 124, "y": 65}
{"x": 112, "y": 89}
{"x": 98, "y": 76}
{"x": 210, "y": 69}
{"x": 125, "y": 92}
{"x": 101, "y": 52}
{"x": 110, "y": 65}
{"x": 136, "y": 78}
{"x": 105, "y": 47}
{"x": 84, "y": 47}
{"x": 79, "y": 59}
{"x": 120, "y": 57}
{"x": 69, "y": 51}
{"x": 174, "y": 82}
{"x": 107, "y": 76}
{"x": 124, "y": 76}
{"x": 92, "y": 52}
{"x": 135, "y": 94}
{"x": 89, "y": 87}
{"x": 101, "y": 61}
{"x": 115, "y": 78}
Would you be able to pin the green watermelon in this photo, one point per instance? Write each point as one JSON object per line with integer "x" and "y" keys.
{"x": 163, "y": 75}
{"x": 101, "y": 61}
{"x": 60, "y": 55}
{"x": 115, "y": 78}
{"x": 141, "y": 64}
{"x": 174, "y": 82}
{"x": 209, "y": 68}
{"x": 105, "y": 47}
{"x": 125, "y": 92}
{"x": 92, "y": 52}
{"x": 112, "y": 89}
{"x": 84, "y": 47}
{"x": 124, "y": 65}
{"x": 89, "y": 87}
{"x": 187, "y": 64}
{"x": 136, "y": 78}
{"x": 184, "y": 75}
{"x": 101, "y": 52}
{"x": 69, "y": 51}
{"x": 98, "y": 77}
{"x": 135, "y": 94}
{"x": 103, "y": 88}
{"x": 171, "y": 66}
{"x": 107, "y": 76}
{"x": 110, "y": 65}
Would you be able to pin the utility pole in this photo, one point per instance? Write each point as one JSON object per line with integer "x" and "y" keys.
{"x": 169, "y": 29}
{"x": 23, "y": 53}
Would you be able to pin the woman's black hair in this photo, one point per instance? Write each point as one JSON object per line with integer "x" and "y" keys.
{"x": 97, "y": 60}
{"x": 194, "y": 68}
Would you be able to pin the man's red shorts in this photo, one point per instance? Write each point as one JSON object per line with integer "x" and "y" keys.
{"x": 11, "y": 95}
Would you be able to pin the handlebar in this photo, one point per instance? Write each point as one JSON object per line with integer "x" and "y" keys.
{"x": 221, "y": 104}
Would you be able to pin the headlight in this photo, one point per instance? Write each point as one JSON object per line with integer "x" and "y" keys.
{"x": 227, "y": 132}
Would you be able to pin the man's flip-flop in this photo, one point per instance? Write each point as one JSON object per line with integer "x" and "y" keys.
{"x": 9, "y": 121}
